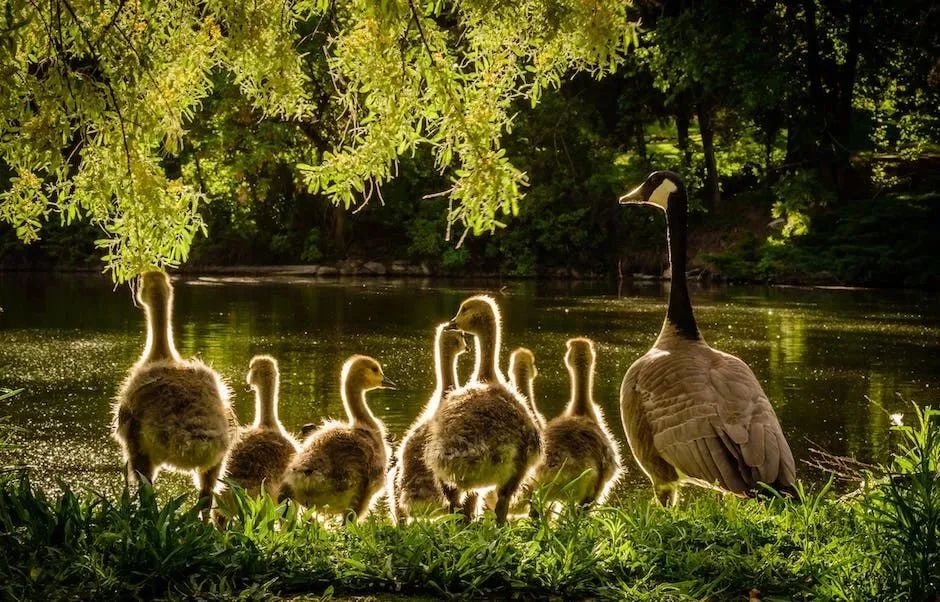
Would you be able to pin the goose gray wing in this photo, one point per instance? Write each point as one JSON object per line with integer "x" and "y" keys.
{"x": 712, "y": 421}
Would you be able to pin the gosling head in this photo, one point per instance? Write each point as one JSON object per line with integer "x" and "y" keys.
{"x": 580, "y": 354}
{"x": 476, "y": 314}
{"x": 154, "y": 288}
{"x": 262, "y": 371}
{"x": 365, "y": 373}
{"x": 522, "y": 362}
{"x": 452, "y": 342}
{"x": 661, "y": 188}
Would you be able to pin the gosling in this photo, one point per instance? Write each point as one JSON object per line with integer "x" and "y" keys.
{"x": 172, "y": 412}
{"x": 259, "y": 460}
{"x": 341, "y": 467}
{"x": 415, "y": 490}
{"x": 483, "y": 435}
{"x": 581, "y": 459}
{"x": 522, "y": 374}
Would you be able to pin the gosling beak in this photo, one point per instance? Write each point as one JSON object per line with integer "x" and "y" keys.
{"x": 388, "y": 384}
{"x": 634, "y": 196}
{"x": 452, "y": 325}
{"x": 467, "y": 339}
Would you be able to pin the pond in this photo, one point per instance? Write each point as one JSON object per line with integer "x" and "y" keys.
{"x": 835, "y": 363}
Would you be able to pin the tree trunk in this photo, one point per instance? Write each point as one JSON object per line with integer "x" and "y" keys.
{"x": 639, "y": 133}
{"x": 339, "y": 230}
{"x": 712, "y": 189}
{"x": 682, "y": 134}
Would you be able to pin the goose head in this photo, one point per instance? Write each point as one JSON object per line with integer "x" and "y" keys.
{"x": 364, "y": 373}
{"x": 661, "y": 188}
{"x": 476, "y": 315}
{"x": 262, "y": 370}
{"x": 580, "y": 354}
{"x": 154, "y": 288}
{"x": 522, "y": 362}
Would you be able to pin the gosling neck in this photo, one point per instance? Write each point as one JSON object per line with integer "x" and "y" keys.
{"x": 679, "y": 315}
{"x": 354, "y": 400}
{"x": 524, "y": 382}
{"x": 159, "y": 332}
{"x": 582, "y": 387}
{"x": 446, "y": 372}
{"x": 487, "y": 353}
{"x": 266, "y": 394}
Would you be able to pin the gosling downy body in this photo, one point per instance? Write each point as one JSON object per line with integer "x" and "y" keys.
{"x": 581, "y": 460}
{"x": 172, "y": 412}
{"x": 341, "y": 467}
{"x": 415, "y": 490}
{"x": 692, "y": 413}
{"x": 483, "y": 435}
{"x": 264, "y": 451}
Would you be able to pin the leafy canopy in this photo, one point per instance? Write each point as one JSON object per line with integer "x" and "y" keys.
{"x": 98, "y": 98}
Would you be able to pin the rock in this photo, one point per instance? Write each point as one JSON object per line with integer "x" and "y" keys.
{"x": 349, "y": 266}
{"x": 667, "y": 274}
{"x": 327, "y": 270}
{"x": 424, "y": 269}
{"x": 401, "y": 267}
{"x": 374, "y": 267}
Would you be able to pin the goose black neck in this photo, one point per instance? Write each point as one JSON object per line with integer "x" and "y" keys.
{"x": 159, "y": 333}
{"x": 679, "y": 314}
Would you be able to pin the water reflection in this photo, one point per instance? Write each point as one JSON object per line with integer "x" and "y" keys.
{"x": 69, "y": 340}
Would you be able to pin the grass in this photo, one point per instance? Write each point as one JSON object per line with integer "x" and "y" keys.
{"x": 879, "y": 544}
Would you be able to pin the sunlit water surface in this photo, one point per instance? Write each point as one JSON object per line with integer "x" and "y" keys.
{"x": 835, "y": 363}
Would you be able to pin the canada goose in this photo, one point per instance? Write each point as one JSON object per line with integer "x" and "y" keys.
{"x": 483, "y": 435}
{"x": 580, "y": 461}
{"x": 522, "y": 373}
{"x": 264, "y": 451}
{"x": 693, "y": 413}
{"x": 171, "y": 411}
{"x": 341, "y": 467}
{"x": 415, "y": 490}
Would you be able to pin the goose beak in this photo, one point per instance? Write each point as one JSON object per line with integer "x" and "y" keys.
{"x": 452, "y": 325}
{"x": 634, "y": 196}
{"x": 388, "y": 384}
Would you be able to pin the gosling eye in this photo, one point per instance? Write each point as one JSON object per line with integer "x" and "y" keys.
{"x": 375, "y": 370}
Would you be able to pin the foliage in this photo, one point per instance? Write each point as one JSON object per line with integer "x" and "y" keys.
{"x": 709, "y": 547}
{"x": 904, "y": 506}
{"x": 100, "y": 97}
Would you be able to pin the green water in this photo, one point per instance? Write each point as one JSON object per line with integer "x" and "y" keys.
{"x": 835, "y": 363}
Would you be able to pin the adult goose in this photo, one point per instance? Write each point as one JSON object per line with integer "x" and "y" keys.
{"x": 413, "y": 489}
{"x": 692, "y": 413}
{"x": 483, "y": 435}
{"x": 172, "y": 412}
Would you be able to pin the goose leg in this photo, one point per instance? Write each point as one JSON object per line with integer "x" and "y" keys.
{"x": 667, "y": 494}
{"x": 207, "y": 481}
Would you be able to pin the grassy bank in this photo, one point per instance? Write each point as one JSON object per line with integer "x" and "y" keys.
{"x": 879, "y": 544}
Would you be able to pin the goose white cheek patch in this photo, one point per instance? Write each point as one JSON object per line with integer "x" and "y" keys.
{"x": 660, "y": 196}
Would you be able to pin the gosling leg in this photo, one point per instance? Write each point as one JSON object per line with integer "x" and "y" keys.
{"x": 207, "y": 481}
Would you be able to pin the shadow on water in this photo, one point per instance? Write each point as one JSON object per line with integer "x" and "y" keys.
{"x": 69, "y": 339}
